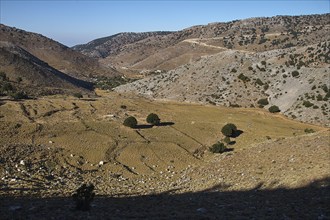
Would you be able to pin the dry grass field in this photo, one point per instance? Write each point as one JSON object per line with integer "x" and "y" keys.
{"x": 50, "y": 146}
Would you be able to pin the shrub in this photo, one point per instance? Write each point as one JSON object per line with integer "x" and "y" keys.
{"x": 218, "y": 148}
{"x": 77, "y": 95}
{"x": 274, "y": 109}
{"x": 229, "y": 130}
{"x": 309, "y": 130}
{"x": 6, "y": 87}
{"x": 295, "y": 73}
{"x": 130, "y": 122}
{"x": 83, "y": 197}
{"x": 259, "y": 82}
{"x": 266, "y": 86}
{"x": 3, "y": 76}
{"x": 233, "y": 70}
{"x": 19, "y": 95}
{"x": 226, "y": 140}
{"x": 250, "y": 68}
{"x": 243, "y": 77}
{"x": 153, "y": 119}
{"x": 263, "y": 63}
{"x": 307, "y": 104}
{"x": 263, "y": 102}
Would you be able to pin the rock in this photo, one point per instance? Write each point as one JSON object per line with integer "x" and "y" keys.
{"x": 22, "y": 162}
{"x": 101, "y": 163}
{"x": 50, "y": 142}
{"x": 201, "y": 210}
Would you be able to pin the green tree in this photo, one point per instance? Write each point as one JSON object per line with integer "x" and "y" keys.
{"x": 153, "y": 119}
{"x": 229, "y": 130}
{"x": 274, "y": 109}
{"x": 218, "y": 148}
{"x": 130, "y": 122}
{"x": 263, "y": 102}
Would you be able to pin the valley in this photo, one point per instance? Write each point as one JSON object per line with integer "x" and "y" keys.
{"x": 63, "y": 110}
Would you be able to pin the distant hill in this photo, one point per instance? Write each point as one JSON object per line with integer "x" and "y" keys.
{"x": 55, "y": 54}
{"x": 27, "y": 73}
{"x": 170, "y": 50}
{"x": 112, "y": 45}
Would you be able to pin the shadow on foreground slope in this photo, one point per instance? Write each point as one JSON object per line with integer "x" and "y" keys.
{"x": 309, "y": 202}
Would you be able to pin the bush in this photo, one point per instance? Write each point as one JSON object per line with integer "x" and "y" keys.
{"x": 274, "y": 109}
{"x": 263, "y": 102}
{"x": 295, "y": 73}
{"x": 243, "y": 77}
{"x": 233, "y": 70}
{"x": 130, "y": 122}
{"x": 259, "y": 82}
{"x": 153, "y": 119}
{"x": 229, "y": 130}
{"x": 83, "y": 197}
{"x": 307, "y": 104}
{"x": 309, "y": 130}
{"x": 3, "y": 76}
{"x": 78, "y": 95}
{"x": 226, "y": 140}
{"x": 19, "y": 95}
{"x": 218, "y": 148}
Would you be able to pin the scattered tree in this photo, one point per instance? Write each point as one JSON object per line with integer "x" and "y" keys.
{"x": 263, "y": 102}
{"x": 130, "y": 122}
{"x": 274, "y": 109}
{"x": 229, "y": 130}
{"x": 153, "y": 119}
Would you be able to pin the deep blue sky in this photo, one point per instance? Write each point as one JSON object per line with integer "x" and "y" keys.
{"x": 76, "y": 22}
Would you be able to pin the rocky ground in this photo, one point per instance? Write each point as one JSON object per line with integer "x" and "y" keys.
{"x": 279, "y": 179}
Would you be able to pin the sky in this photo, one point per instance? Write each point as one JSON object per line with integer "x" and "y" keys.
{"x": 73, "y": 22}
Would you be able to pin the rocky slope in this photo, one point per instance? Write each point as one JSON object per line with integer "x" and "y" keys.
{"x": 295, "y": 79}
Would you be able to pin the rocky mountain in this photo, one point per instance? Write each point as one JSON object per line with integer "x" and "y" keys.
{"x": 292, "y": 74}
{"x": 55, "y": 54}
{"x": 168, "y": 51}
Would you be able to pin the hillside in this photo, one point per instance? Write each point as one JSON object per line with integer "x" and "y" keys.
{"x": 25, "y": 72}
{"x": 168, "y": 51}
{"x": 234, "y": 78}
{"x": 50, "y": 146}
{"x": 55, "y": 54}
